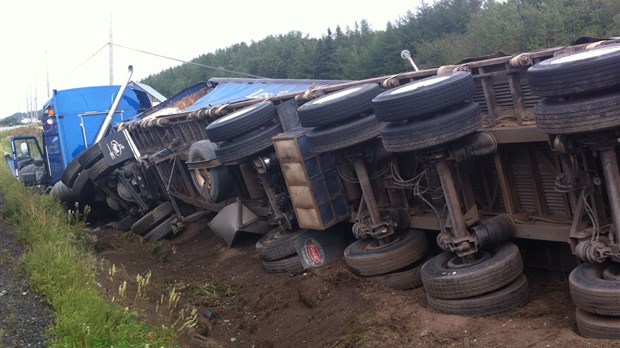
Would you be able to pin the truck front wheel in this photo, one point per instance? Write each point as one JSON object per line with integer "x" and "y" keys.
{"x": 71, "y": 172}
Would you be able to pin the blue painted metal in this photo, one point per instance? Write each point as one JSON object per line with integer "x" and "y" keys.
{"x": 79, "y": 114}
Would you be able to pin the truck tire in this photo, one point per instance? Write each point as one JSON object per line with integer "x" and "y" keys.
{"x": 445, "y": 277}
{"x": 596, "y": 288}
{"x": 125, "y": 223}
{"x": 592, "y": 325}
{"x": 424, "y": 97}
{"x": 100, "y": 169}
{"x": 90, "y": 156}
{"x": 515, "y": 294}
{"x": 213, "y": 184}
{"x": 277, "y": 244}
{"x": 71, "y": 172}
{"x": 437, "y": 130}
{"x": 235, "y": 151}
{"x": 580, "y": 72}
{"x": 80, "y": 185}
{"x": 151, "y": 219}
{"x": 403, "y": 279}
{"x": 63, "y": 192}
{"x": 343, "y": 135}
{"x": 290, "y": 265}
{"x": 366, "y": 257}
{"x": 338, "y": 106}
{"x": 161, "y": 231}
{"x": 241, "y": 121}
{"x": 578, "y": 115}
{"x": 202, "y": 150}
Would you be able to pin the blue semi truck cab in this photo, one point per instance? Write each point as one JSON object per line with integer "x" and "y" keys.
{"x": 72, "y": 120}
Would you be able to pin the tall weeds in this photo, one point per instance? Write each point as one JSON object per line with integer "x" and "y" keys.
{"x": 61, "y": 266}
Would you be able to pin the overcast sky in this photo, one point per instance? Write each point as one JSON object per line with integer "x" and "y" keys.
{"x": 53, "y": 40}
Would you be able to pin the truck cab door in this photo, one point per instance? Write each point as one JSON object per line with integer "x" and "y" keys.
{"x": 28, "y": 165}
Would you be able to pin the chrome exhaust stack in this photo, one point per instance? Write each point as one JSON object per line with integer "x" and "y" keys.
{"x": 108, "y": 119}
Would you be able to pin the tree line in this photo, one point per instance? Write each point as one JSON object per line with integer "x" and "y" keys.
{"x": 442, "y": 33}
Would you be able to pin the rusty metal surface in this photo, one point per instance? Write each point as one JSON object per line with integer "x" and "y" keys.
{"x": 513, "y": 133}
{"x": 537, "y": 230}
{"x": 611, "y": 173}
{"x": 495, "y": 72}
{"x": 520, "y": 179}
{"x": 459, "y": 227}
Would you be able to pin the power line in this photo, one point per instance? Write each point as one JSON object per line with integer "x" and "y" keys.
{"x": 88, "y": 59}
{"x": 186, "y": 62}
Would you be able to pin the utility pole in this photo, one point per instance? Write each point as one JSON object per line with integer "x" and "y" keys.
{"x": 28, "y": 103}
{"x": 111, "y": 54}
{"x": 35, "y": 108}
{"x": 47, "y": 74}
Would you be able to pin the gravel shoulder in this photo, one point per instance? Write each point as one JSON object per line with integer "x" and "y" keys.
{"x": 24, "y": 314}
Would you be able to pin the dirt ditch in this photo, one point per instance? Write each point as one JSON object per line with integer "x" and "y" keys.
{"x": 238, "y": 305}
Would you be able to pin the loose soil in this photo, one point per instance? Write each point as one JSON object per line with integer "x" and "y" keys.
{"x": 325, "y": 307}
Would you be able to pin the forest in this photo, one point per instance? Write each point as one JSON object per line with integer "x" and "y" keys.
{"x": 442, "y": 33}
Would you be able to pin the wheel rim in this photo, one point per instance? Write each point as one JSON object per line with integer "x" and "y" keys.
{"x": 422, "y": 83}
{"x": 237, "y": 113}
{"x": 203, "y": 179}
{"x": 456, "y": 262}
{"x": 374, "y": 244}
{"x": 585, "y": 55}
{"x": 279, "y": 234}
{"x": 612, "y": 272}
{"x": 336, "y": 95}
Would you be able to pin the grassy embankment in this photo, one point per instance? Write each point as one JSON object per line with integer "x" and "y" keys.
{"x": 61, "y": 266}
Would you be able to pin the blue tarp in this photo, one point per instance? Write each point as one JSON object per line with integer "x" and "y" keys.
{"x": 235, "y": 90}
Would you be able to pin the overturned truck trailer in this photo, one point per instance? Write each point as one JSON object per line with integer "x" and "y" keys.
{"x": 467, "y": 159}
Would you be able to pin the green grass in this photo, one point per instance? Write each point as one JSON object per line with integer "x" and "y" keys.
{"x": 211, "y": 293}
{"x": 5, "y": 137}
{"x": 61, "y": 266}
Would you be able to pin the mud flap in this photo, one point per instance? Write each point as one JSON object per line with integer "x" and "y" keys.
{"x": 317, "y": 248}
{"x": 235, "y": 218}
{"x": 117, "y": 148}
